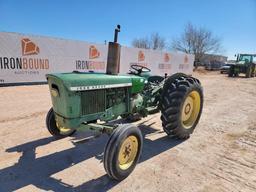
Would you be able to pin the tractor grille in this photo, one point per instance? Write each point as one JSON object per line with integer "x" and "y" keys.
{"x": 93, "y": 101}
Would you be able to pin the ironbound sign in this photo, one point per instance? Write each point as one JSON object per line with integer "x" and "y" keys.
{"x": 28, "y": 58}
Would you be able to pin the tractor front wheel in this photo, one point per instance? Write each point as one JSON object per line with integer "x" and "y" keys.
{"x": 54, "y": 128}
{"x": 122, "y": 151}
{"x": 181, "y": 105}
{"x": 231, "y": 71}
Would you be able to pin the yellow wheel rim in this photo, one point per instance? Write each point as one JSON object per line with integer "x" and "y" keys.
{"x": 128, "y": 152}
{"x": 190, "y": 109}
{"x": 63, "y": 130}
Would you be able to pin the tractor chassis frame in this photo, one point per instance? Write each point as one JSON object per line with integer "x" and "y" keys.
{"x": 98, "y": 128}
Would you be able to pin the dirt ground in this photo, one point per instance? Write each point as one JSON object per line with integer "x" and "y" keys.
{"x": 219, "y": 156}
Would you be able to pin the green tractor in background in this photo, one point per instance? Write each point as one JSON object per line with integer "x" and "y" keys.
{"x": 245, "y": 63}
{"x": 90, "y": 101}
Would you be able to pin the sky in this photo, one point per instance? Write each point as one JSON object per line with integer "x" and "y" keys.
{"x": 233, "y": 21}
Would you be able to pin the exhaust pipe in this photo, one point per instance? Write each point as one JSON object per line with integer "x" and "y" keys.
{"x": 114, "y": 49}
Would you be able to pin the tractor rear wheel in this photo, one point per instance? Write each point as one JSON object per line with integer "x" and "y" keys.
{"x": 181, "y": 105}
{"x": 248, "y": 72}
{"x": 54, "y": 128}
{"x": 253, "y": 71}
{"x": 122, "y": 151}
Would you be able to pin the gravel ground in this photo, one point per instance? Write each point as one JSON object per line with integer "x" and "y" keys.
{"x": 219, "y": 156}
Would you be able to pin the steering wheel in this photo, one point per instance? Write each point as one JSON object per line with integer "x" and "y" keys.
{"x": 140, "y": 68}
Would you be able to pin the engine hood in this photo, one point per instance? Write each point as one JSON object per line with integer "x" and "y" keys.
{"x": 93, "y": 81}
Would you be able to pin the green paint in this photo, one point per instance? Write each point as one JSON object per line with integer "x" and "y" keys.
{"x": 80, "y": 98}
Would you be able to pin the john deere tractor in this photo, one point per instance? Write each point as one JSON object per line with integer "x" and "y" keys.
{"x": 245, "y": 63}
{"x": 90, "y": 101}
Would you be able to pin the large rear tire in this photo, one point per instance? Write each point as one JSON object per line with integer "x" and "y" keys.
{"x": 181, "y": 105}
{"x": 53, "y": 127}
{"x": 253, "y": 74}
{"x": 122, "y": 151}
{"x": 248, "y": 72}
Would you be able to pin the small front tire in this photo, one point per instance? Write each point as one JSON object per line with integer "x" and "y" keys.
{"x": 53, "y": 127}
{"x": 122, "y": 151}
{"x": 231, "y": 71}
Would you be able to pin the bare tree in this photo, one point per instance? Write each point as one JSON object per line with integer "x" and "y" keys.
{"x": 155, "y": 42}
{"x": 197, "y": 41}
{"x": 141, "y": 43}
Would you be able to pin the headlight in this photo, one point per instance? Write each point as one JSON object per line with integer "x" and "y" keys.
{"x": 55, "y": 90}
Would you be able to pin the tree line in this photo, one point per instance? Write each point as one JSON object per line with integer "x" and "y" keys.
{"x": 193, "y": 40}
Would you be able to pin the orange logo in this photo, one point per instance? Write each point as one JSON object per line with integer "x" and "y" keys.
{"x": 186, "y": 59}
{"x": 141, "y": 56}
{"x": 93, "y": 52}
{"x": 28, "y": 47}
{"x": 166, "y": 57}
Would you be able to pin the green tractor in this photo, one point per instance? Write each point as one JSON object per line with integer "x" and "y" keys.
{"x": 245, "y": 63}
{"x": 88, "y": 101}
